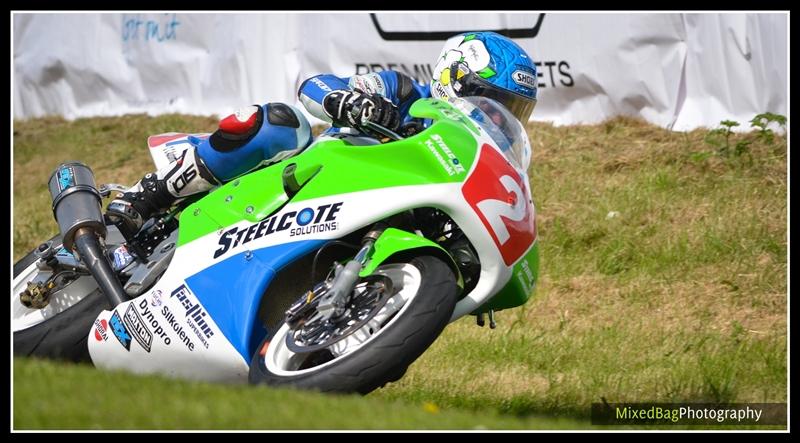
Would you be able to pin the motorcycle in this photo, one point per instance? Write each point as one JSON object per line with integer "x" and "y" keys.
{"x": 332, "y": 270}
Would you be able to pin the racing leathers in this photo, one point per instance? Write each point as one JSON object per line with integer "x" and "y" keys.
{"x": 257, "y": 135}
{"x": 245, "y": 140}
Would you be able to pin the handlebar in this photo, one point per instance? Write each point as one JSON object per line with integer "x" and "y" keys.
{"x": 386, "y": 132}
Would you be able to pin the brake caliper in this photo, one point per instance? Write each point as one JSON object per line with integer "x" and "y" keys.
{"x": 37, "y": 295}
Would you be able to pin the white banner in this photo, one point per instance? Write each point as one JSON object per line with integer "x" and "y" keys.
{"x": 675, "y": 70}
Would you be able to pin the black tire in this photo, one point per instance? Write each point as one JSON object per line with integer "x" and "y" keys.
{"x": 386, "y": 357}
{"x": 64, "y": 335}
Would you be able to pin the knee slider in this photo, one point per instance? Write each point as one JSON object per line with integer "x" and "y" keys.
{"x": 237, "y": 129}
{"x": 280, "y": 114}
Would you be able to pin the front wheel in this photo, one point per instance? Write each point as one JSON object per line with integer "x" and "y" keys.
{"x": 423, "y": 297}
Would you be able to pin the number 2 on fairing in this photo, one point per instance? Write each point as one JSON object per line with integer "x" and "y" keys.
{"x": 496, "y": 210}
{"x": 496, "y": 192}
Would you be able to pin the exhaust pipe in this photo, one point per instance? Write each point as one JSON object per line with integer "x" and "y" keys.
{"x": 76, "y": 208}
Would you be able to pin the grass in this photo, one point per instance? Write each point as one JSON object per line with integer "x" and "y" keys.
{"x": 663, "y": 274}
{"x": 113, "y": 400}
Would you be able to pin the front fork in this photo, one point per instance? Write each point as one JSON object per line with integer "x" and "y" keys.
{"x": 333, "y": 294}
{"x": 332, "y": 303}
{"x": 378, "y": 246}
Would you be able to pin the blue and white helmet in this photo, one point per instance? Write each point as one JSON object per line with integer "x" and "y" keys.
{"x": 487, "y": 64}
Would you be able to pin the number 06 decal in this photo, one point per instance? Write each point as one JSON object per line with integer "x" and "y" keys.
{"x": 496, "y": 193}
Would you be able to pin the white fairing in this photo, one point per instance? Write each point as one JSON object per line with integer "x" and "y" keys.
{"x": 162, "y": 339}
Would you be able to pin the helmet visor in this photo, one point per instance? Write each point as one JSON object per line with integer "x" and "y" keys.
{"x": 467, "y": 83}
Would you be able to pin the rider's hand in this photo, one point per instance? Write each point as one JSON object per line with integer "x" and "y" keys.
{"x": 355, "y": 108}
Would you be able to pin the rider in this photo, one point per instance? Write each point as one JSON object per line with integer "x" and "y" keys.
{"x": 471, "y": 64}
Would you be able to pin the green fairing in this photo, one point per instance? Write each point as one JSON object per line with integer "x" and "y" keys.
{"x": 340, "y": 168}
{"x": 333, "y": 167}
{"x": 520, "y": 287}
{"x": 393, "y": 241}
{"x": 441, "y": 110}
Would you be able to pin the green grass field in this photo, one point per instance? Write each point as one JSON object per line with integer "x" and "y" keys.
{"x": 113, "y": 400}
{"x": 663, "y": 279}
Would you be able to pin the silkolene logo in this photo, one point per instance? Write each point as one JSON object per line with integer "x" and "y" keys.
{"x": 303, "y": 222}
{"x": 497, "y": 194}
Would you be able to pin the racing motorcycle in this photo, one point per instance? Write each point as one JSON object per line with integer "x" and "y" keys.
{"x": 332, "y": 270}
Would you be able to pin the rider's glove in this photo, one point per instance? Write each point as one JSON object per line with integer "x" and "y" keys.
{"x": 355, "y": 108}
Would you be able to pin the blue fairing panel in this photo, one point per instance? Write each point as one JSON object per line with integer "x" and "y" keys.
{"x": 231, "y": 290}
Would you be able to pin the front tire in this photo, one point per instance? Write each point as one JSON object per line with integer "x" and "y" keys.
{"x": 380, "y": 351}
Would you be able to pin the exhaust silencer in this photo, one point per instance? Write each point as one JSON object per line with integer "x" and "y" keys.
{"x": 76, "y": 207}
{"x": 76, "y": 201}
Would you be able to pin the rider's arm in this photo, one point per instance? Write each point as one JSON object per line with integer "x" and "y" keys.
{"x": 312, "y": 93}
{"x": 397, "y": 87}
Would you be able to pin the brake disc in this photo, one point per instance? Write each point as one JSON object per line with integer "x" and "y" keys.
{"x": 365, "y": 302}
